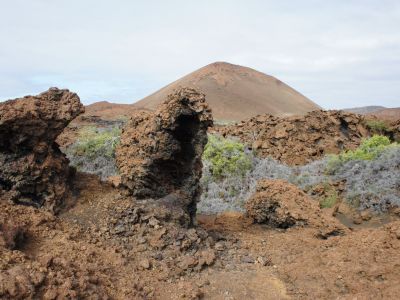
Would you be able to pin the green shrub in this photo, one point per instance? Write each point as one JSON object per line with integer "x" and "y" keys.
{"x": 331, "y": 198}
{"x": 368, "y": 150}
{"x": 223, "y": 122}
{"x": 377, "y": 126}
{"x": 329, "y": 201}
{"x": 93, "y": 142}
{"x": 226, "y": 157}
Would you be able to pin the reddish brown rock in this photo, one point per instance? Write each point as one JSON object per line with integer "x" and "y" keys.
{"x": 300, "y": 139}
{"x": 395, "y": 129}
{"x": 34, "y": 171}
{"x": 160, "y": 152}
{"x": 283, "y": 205}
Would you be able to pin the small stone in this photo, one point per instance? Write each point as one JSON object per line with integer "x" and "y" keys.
{"x": 366, "y": 215}
{"x": 219, "y": 246}
{"x": 141, "y": 240}
{"x": 153, "y": 222}
{"x": 188, "y": 262}
{"x": 119, "y": 229}
{"x": 247, "y": 259}
{"x": 145, "y": 264}
{"x": 207, "y": 257}
{"x": 262, "y": 261}
{"x": 357, "y": 220}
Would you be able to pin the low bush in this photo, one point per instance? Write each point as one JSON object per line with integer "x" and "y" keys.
{"x": 377, "y": 126}
{"x": 94, "y": 150}
{"x": 226, "y": 157}
{"x": 93, "y": 142}
{"x": 369, "y": 149}
{"x": 331, "y": 197}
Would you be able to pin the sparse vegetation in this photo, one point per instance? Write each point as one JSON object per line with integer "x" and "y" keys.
{"x": 371, "y": 174}
{"x": 331, "y": 197}
{"x": 226, "y": 157}
{"x": 377, "y": 126}
{"x": 93, "y": 142}
{"x": 94, "y": 150}
{"x": 223, "y": 122}
{"x": 369, "y": 149}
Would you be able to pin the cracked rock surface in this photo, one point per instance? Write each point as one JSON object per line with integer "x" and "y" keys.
{"x": 281, "y": 204}
{"x": 34, "y": 171}
{"x": 160, "y": 153}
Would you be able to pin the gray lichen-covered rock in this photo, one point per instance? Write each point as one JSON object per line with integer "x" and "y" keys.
{"x": 33, "y": 169}
{"x": 160, "y": 153}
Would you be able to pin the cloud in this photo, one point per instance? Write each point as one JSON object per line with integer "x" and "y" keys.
{"x": 338, "y": 53}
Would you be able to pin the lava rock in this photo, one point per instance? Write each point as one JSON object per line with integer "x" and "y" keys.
{"x": 160, "y": 152}
{"x": 283, "y": 205}
{"x": 297, "y": 140}
{"x": 34, "y": 171}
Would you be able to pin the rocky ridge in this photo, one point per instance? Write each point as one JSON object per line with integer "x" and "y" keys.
{"x": 300, "y": 139}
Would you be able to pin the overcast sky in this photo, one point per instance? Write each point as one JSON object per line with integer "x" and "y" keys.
{"x": 340, "y": 53}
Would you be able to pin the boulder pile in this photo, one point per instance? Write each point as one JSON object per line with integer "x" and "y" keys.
{"x": 282, "y": 205}
{"x": 33, "y": 169}
{"x": 159, "y": 155}
{"x": 300, "y": 139}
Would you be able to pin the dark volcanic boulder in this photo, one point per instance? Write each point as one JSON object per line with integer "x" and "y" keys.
{"x": 33, "y": 169}
{"x": 160, "y": 153}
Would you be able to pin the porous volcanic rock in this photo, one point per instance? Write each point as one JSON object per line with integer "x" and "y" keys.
{"x": 395, "y": 128}
{"x": 300, "y": 139}
{"x": 283, "y": 205}
{"x": 160, "y": 153}
{"x": 33, "y": 169}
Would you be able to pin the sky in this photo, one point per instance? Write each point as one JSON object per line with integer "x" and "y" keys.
{"x": 342, "y": 53}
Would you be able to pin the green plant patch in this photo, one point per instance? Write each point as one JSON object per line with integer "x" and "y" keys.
{"x": 93, "y": 142}
{"x": 226, "y": 157}
{"x": 377, "y": 126}
{"x": 368, "y": 150}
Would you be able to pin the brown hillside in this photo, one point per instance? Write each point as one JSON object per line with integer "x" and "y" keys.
{"x": 235, "y": 93}
{"x": 106, "y": 110}
{"x": 389, "y": 114}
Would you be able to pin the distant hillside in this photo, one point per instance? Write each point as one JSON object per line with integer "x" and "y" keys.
{"x": 364, "y": 109}
{"x": 106, "y": 110}
{"x": 235, "y": 93}
{"x": 390, "y": 114}
{"x": 381, "y": 112}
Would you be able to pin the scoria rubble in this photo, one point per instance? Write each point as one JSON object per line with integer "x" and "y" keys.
{"x": 300, "y": 139}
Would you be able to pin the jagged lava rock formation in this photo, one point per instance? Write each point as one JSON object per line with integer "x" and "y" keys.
{"x": 160, "y": 152}
{"x": 300, "y": 139}
{"x": 34, "y": 171}
{"x": 283, "y": 205}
